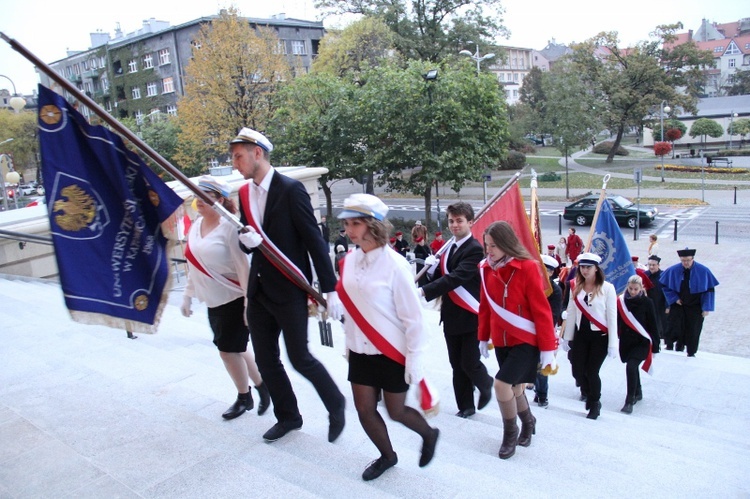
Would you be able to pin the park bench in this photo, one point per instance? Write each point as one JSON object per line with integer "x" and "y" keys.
{"x": 718, "y": 161}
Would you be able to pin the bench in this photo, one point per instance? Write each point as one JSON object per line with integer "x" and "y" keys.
{"x": 718, "y": 161}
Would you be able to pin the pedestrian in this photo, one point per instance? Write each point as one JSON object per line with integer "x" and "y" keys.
{"x": 277, "y": 212}
{"x": 639, "y": 337}
{"x": 418, "y": 230}
{"x": 561, "y": 250}
{"x": 515, "y": 314}
{"x": 385, "y": 331}
{"x": 421, "y": 252}
{"x": 689, "y": 288}
{"x": 541, "y": 383}
{"x": 401, "y": 246}
{"x": 341, "y": 240}
{"x": 340, "y": 254}
{"x": 437, "y": 243}
{"x": 592, "y": 327}
{"x": 656, "y": 293}
{"x": 218, "y": 277}
{"x": 324, "y": 230}
{"x": 552, "y": 252}
{"x": 574, "y": 244}
{"x": 641, "y": 271}
{"x": 653, "y": 246}
{"x": 455, "y": 280}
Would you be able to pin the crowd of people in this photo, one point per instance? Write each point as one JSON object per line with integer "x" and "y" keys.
{"x": 493, "y": 295}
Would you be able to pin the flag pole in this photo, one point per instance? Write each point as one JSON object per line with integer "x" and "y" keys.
{"x": 481, "y": 212}
{"x": 602, "y": 196}
{"x": 158, "y": 159}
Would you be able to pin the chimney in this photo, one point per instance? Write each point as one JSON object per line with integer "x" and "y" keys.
{"x": 690, "y": 34}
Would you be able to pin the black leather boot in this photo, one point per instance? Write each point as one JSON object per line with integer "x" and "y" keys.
{"x": 243, "y": 403}
{"x": 628, "y": 407}
{"x": 265, "y": 398}
{"x": 528, "y": 427}
{"x": 594, "y": 410}
{"x": 510, "y": 438}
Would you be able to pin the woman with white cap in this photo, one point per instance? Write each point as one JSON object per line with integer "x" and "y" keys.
{"x": 592, "y": 323}
{"x": 218, "y": 276}
{"x": 385, "y": 332}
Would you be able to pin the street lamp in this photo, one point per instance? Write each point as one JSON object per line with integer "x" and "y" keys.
{"x": 732, "y": 116}
{"x": 476, "y": 56}
{"x": 430, "y": 77}
{"x": 667, "y": 109}
{"x": 16, "y": 102}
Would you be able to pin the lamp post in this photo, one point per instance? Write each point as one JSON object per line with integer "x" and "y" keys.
{"x": 478, "y": 58}
{"x": 732, "y": 116}
{"x": 430, "y": 77}
{"x": 6, "y": 166}
{"x": 667, "y": 109}
{"x": 16, "y": 102}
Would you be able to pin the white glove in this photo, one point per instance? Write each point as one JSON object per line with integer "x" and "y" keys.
{"x": 431, "y": 262}
{"x": 185, "y": 307}
{"x": 413, "y": 371}
{"x": 547, "y": 358}
{"x": 484, "y": 349}
{"x": 250, "y": 239}
{"x": 335, "y": 307}
{"x": 564, "y": 315}
{"x": 565, "y": 345}
{"x": 612, "y": 352}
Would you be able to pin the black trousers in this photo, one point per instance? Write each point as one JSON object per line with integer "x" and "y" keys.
{"x": 468, "y": 370}
{"x": 587, "y": 356}
{"x": 267, "y": 319}
{"x": 685, "y": 326}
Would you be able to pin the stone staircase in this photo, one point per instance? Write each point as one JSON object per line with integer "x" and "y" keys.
{"x": 84, "y": 411}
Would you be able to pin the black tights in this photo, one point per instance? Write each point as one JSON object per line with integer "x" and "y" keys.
{"x": 366, "y": 402}
{"x": 633, "y": 377}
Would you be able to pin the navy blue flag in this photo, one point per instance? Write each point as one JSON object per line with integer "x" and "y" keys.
{"x": 609, "y": 243}
{"x": 105, "y": 212}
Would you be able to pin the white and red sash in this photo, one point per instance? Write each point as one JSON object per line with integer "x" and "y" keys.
{"x": 249, "y": 208}
{"x": 597, "y": 321}
{"x": 522, "y": 328}
{"x": 387, "y": 337}
{"x": 629, "y": 319}
{"x": 221, "y": 279}
{"x": 460, "y": 295}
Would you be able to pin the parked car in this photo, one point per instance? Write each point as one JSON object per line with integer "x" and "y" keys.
{"x": 31, "y": 189}
{"x": 582, "y": 211}
{"x": 534, "y": 139}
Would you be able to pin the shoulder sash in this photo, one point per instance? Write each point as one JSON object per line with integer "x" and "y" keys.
{"x": 584, "y": 309}
{"x": 519, "y": 326}
{"x": 460, "y": 295}
{"x": 629, "y": 319}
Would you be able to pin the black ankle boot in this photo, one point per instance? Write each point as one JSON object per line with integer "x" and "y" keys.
{"x": 265, "y": 398}
{"x": 243, "y": 403}
{"x": 510, "y": 438}
{"x": 594, "y": 410}
{"x": 528, "y": 427}
{"x": 628, "y": 407}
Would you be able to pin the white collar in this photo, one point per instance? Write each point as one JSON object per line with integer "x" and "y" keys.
{"x": 265, "y": 184}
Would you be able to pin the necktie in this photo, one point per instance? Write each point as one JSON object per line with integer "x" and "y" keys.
{"x": 452, "y": 252}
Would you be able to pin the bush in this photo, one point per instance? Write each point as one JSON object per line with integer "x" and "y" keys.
{"x": 521, "y": 145}
{"x": 549, "y": 177}
{"x": 734, "y": 152}
{"x": 605, "y": 147}
{"x": 514, "y": 160}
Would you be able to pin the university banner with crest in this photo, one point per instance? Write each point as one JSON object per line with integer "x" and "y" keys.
{"x": 609, "y": 244}
{"x": 105, "y": 211}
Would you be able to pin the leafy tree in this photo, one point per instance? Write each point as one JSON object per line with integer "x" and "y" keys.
{"x": 671, "y": 124}
{"x": 662, "y": 148}
{"x": 704, "y": 126}
{"x": 230, "y": 83}
{"x": 24, "y": 149}
{"x": 160, "y": 132}
{"x": 428, "y": 30}
{"x": 532, "y": 94}
{"x": 739, "y": 127}
{"x": 740, "y": 83}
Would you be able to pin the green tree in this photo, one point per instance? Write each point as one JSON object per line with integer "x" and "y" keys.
{"x": 532, "y": 94}
{"x": 230, "y": 83}
{"x": 739, "y": 127}
{"x": 704, "y": 126}
{"x": 740, "y": 83}
{"x": 24, "y": 148}
{"x": 158, "y": 131}
{"x": 668, "y": 125}
{"x": 429, "y": 30}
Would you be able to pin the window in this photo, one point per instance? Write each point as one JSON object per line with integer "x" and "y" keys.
{"x": 76, "y": 69}
{"x": 139, "y": 117}
{"x": 132, "y": 66}
{"x": 151, "y": 89}
{"x": 298, "y": 47}
{"x": 732, "y": 49}
{"x": 719, "y": 49}
{"x": 105, "y": 84}
{"x": 501, "y": 76}
{"x": 108, "y": 106}
{"x": 167, "y": 85}
{"x": 281, "y": 47}
{"x": 163, "y": 57}
{"x": 172, "y": 110}
{"x": 85, "y": 65}
{"x": 515, "y": 77}
{"x": 102, "y": 62}
{"x": 93, "y": 63}
{"x": 515, "y": 94}
{"x": 148, "y": 61}
{"x": 136, "y": 92}
{"x": 88, "y": 88}
{"x": 69, "y": 71}
{"x": 732, "y": 62}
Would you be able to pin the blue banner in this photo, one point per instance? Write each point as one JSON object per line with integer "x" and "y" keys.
{"x": 105, "y": 212}
{"x": 609, "y": 243}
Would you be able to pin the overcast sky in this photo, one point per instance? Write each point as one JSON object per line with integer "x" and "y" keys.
{"x": 48, "y": 28}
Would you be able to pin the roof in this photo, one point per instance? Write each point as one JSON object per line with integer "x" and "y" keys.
{"x": 721, "y": 107}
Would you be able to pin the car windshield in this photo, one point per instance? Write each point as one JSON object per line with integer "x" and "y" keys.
{"x": 621, "y": 201}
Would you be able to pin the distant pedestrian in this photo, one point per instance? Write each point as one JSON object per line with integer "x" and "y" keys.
{"x": 656, "y": 293}
{"x": 340, "y": 254}
{"x": 324, "y": 229}
{"x": 551, "y": 252}
{"x": 401, "y": 246}
{"x": 561, "y": 250}
{"x": 437, "y": 243}
{"x": 341, "y": 240}
{"x": 574, "y": 244}
{"x": 418, "y": 230}
{"x": 541, "y": 384}
{"x": 653, "y": 247}
{"x": 421, "y": 251}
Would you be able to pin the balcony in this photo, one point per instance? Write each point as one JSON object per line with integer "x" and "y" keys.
{"x": 75, "y": 78}
{"x": 91, "y": 73}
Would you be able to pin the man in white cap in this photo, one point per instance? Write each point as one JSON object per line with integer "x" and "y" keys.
{"x": 277, "y": 208}
{"x": 418, "y": 230}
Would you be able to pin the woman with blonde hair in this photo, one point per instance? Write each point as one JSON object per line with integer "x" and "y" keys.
{"x": 592, "y": 323}
{"x": 515, "y": 314}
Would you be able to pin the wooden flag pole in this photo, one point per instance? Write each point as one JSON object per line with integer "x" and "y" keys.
{"x": 158, "y": 159}
{"x": 602, "y": 197}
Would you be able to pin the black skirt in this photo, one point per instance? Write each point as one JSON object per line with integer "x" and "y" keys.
{"x": 518, "y": 364}
{"x": 378, "y": 371}
{"x": 228, "y": 324}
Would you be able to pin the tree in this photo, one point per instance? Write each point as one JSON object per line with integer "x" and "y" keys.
{"x": 704, "y": 126}
{"x": 158, "y": 131}
{"x": 428, "y": 30}
{"x": 671, "y": 124}
{"x": 662, "y": 148}
{"x": 230, "y": 83}
{"x": 739, "y": 127}
{"x": 532, "y": 95}
{"x": 740, "y": 83}
{"x": 24, "y": 148}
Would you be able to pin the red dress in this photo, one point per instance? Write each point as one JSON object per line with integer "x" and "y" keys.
{"x": 575, "y": 245}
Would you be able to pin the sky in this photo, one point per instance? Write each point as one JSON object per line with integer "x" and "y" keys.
{"x": 48, "y": 28}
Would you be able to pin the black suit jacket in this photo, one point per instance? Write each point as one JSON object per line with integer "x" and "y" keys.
{"x": 464, "y": 271}
{"x": 290, "y": 223}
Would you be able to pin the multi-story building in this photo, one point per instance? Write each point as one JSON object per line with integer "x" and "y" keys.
{"x": 511, "y": 69}
{"x": 143, "y": 73}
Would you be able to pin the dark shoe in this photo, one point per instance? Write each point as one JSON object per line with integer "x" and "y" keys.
{"x": 583, "y": 398}
{"x": 542, "y": 402}
{"x": 691, "y": 355}
{"x": 378, "y": 467}
{"x": 595, "y": 410}
{"x": 510, "y": 438}
{"x": 669, "y": 346}
{"x": 239, "y": 407}
{"x": 528, "y": 427}
{"x": 280, "y": 429}
{"x": 628, "y": 407}
{"x": 485, "y": 397}
{"x": 336, "y": 423}
{"x": 466, "y": 413}
{"x": 428, "y": 448}
{"x": 265, "y": 399}
{"x": 638, "y": 395}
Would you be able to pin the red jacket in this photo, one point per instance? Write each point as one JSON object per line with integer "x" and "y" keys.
{"x": 525, "y": 298}
{"x": 575, "y": 245}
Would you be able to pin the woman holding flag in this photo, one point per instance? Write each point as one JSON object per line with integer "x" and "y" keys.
{"x": 385, "y": 333}
{"x": 218, "y": 277}
{"x": 639, "y": 337}
{"x": 515, "y": 314}
{"x": 592, "y": 322}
